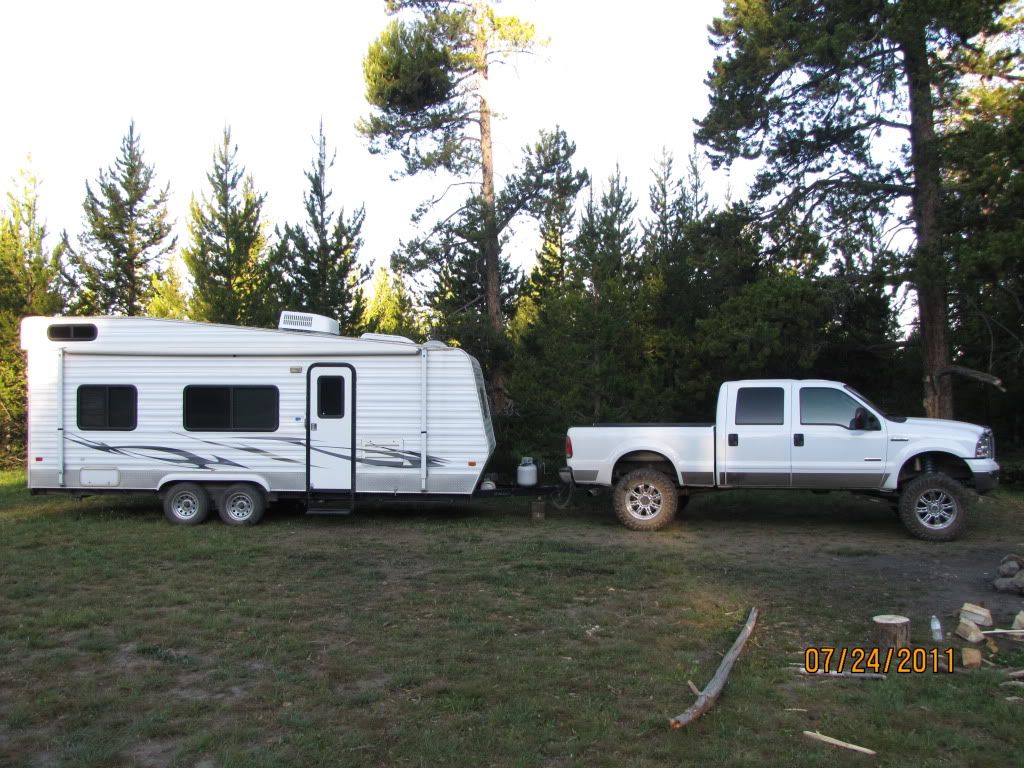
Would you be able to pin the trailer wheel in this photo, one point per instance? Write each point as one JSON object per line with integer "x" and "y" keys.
{"x": 645, "y": 500}
{"x": 186, "y": 504}
{"x": 933, "y": 507}
{"x": 242, "y": 504}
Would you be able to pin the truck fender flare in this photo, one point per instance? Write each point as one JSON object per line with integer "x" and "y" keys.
{"x": 667, "y": 455}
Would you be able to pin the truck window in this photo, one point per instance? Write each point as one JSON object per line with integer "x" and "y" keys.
{"x": 231, "y": 409}
{"x": 107, "y": 407}
{"x": 760, "y": 405}
{"x": 823, "y": 405}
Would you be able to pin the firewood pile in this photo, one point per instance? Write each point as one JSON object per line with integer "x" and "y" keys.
{"x": 1011, "y": 575}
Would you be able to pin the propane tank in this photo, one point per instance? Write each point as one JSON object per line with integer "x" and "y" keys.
{"x": 526, "y": 473}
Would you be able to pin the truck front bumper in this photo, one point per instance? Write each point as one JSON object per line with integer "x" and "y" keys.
{"x": 986, "y": 474}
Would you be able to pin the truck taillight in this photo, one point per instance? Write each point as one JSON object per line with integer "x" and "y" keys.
{"x": 568, "y": 447}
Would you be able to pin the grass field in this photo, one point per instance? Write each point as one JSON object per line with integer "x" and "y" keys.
{"x": 471, "y": 636}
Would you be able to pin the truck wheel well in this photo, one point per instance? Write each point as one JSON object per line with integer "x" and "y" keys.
{"x": 644, "y": 460}
{"x": 937, "y": 462}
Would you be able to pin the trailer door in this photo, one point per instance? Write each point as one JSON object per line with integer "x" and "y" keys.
{"x": 330, "y": 427}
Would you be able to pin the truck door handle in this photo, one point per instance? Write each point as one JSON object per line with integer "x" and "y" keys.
{"x": 798, "y": 439}
{"x": 312, "y": 427}
{"x": 734, "y": 439}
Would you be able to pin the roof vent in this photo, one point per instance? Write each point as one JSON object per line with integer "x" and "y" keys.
{"x": 307, "y": 321}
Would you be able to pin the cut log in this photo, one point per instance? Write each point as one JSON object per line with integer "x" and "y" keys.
{"x": 971, "y": 658}
{"x": 707, "y": 698}
{"x": 837, "y": 743}
{"x": 969, "y": 631}
{"x": 1018, "y": 675}
{"x": 980, "y": 616}
{"x": 889, "y": 631}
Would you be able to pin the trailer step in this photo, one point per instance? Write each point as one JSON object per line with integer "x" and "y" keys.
{"x": 328, "y": 512}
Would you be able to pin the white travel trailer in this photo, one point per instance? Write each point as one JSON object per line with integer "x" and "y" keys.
{"x": 228, "y": 417}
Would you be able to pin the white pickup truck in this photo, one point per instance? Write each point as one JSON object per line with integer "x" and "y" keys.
{"x": 819, "y": 435}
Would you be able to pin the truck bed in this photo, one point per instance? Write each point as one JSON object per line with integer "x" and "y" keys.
{"x": 603, "y": 450}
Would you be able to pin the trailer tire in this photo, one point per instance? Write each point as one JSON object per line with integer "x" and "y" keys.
{"x": 645, "y": 500}
{"x": 242, "y": 504}
{"x": 933, "y": 507}
{"x": 186, "y": 504}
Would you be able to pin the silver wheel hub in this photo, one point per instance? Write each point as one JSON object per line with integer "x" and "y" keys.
{"x": 185, "y": 506}
{"x": 239, "y": 507}
{"x": 644, "y": 501}
{"x": 935, "y": 509}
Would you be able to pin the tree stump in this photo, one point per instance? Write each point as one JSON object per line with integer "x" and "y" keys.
{"x": 889, "y": 631}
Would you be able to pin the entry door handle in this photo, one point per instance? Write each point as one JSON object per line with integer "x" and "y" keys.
{"x": 312, "y": 426}
{"x": 798, "y": 439}
{"x": 734, "y": 439}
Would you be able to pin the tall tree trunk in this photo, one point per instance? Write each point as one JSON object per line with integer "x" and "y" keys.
{"x": 929, "y": 266}
{"x": 492, "y": 273}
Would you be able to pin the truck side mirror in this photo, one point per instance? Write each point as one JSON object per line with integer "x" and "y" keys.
{"x": 859, "y": 420}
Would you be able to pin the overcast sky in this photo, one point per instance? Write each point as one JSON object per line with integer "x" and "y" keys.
{"x": 623, "y": 80}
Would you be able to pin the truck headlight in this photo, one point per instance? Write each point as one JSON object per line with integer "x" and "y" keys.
{"x": 986, "y": 447}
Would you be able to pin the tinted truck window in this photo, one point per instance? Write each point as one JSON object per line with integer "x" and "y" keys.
{"x": 760, "y": 405}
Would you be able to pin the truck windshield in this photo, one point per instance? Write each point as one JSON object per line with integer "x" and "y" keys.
{"x": 875, "y": 408}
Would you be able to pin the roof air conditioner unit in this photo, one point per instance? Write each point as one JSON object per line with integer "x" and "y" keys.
{"x": 307, "y": 321}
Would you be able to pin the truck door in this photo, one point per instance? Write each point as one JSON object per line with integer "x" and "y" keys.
{"x": 838, "y": 442}
{"x": 758, "y": 435}
{"x": 330, "y": 427}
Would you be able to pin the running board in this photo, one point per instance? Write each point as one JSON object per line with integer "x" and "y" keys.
{"x": 327, "y": 512}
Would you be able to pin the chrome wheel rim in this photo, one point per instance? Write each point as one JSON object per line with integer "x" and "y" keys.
{"x": 644, "y": 501}
{"x": 935, "y": 509}
{"x": 185, "y": 505}
{"x": 239, "y": 506}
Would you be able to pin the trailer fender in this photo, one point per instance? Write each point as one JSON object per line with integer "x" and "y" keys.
{"x": 193, "y": 477}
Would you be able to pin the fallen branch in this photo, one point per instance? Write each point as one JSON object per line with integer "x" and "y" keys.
{"x": 707, "y": 698}
{"x": 837, "y": 743}
{"x": 1018, "y": 675}
{"x": 863, "y": 675}
{"x": 1003, "y": 632}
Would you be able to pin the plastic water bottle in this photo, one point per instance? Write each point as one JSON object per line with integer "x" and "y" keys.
{"x": 936, "y": 629}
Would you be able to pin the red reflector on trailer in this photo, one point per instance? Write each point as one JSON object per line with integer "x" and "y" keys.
{"x": 568, "y": 447}
{"x": 39, "y": 458}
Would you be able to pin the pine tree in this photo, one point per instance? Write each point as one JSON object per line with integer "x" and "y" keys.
{"x": 426, "y": 79}
{"x": 226, "y": 257}
{"x": 126, "y": 237}
{"x": 319, "y": 260}
{"x": 820, "y": 91}
{"x": 389, "y": 308}
{"x": 28, "y": 286}
{"x": 168, "y": 297}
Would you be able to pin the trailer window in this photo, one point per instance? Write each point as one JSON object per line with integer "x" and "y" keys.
{"x": 760, "y": 405}
{"x": 330, "y": 397}
{"x": 231, "y": 409}
{"x": 71, "y": 332}
{"x": 107, "y": 407}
